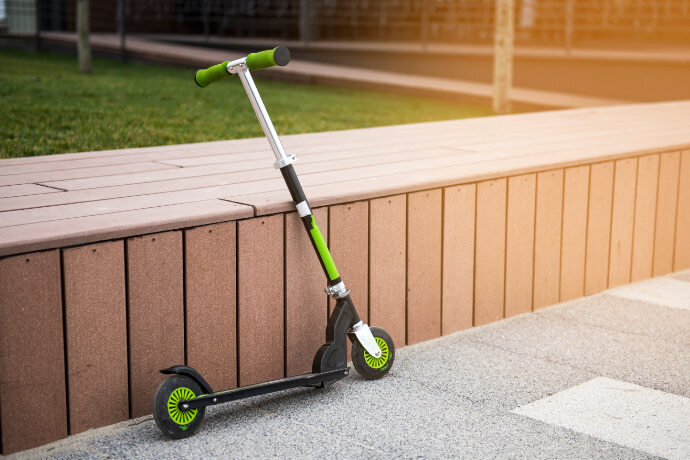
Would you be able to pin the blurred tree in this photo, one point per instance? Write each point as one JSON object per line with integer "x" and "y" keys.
{"x": 83, "y": 43}
{"x": 503, "y": 55}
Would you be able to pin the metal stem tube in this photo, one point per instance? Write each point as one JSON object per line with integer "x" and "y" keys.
{"x": 282, "y": 159}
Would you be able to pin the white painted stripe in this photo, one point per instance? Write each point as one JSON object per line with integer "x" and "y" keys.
{"x": 303, "y": 208}
{"x": 663, "y": 291}
{"x": 648, "y": 420}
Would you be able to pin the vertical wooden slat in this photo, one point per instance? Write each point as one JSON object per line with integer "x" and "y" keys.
{"x": 520, "y": 244}
{"x": 681, "y": 260}
{"x": 458, "y": 257}
{"x": 666, "y": 213}
{"x": 306, "y": 311}
{"x": 211, "y": 294}
{"x": 575, "y": 198}
{"x": 490, "y": 251}
{"x": 387, "y": 257}
{"x": 423, "y": 265}
{"x": 260, "y": 308}
{"x": 622, "y": 222}
{"x": 348, "y": 240}
{"x": 645, "y": 211}
{"x": 547, "y": 238}
{"x": 598, "y": 227}
{"x": 156, "y": 313}
{"x": 96, "y": 329}
{"x": 32, "y": 388}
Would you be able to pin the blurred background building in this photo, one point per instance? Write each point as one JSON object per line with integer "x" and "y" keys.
{"x": 621, "y": 50}
{"x": 543, "y": 22}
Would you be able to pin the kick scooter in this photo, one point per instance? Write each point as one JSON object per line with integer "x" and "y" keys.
{"x": 180, "y": 400}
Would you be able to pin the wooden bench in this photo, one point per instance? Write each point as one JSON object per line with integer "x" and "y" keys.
{"x": 118, "y": 263}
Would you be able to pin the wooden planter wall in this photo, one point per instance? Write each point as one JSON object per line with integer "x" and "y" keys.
{"x": 84, "y": 330}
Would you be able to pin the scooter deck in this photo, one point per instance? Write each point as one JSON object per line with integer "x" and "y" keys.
{"x": 234, "y": 394}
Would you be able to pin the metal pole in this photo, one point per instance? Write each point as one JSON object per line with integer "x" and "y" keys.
{"x": 37, "y": 9}
{"x": 568, "y": 33}
{"x": 83, "y": 43}
{"x": 282, "y": 158}
{"x": 305, "y": 21}
{"x": 121, "y": 29}
{"x": 206, "y": 13}
{"x": 503, "y": 55}
{"x": 425, "y": 24}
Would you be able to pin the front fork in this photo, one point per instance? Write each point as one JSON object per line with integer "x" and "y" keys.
{"x": 336, "y": 286}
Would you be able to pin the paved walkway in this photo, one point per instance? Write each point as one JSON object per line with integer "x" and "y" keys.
{"x": 669, "y": 55}
{"x": 311, "y": 72}
{"x": 604, "y": 376}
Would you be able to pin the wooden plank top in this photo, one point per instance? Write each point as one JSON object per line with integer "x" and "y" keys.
{"x": 76, "y": 198}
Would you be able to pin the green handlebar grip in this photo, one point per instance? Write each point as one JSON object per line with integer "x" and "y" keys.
{"x": 204, "y": 77}
{"x": 279, "y": 55}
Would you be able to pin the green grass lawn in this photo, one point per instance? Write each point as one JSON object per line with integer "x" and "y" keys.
{"x": 48, "y": 107}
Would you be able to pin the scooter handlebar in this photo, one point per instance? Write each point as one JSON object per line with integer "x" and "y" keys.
{"x": 279, "y": 55}
{"x": 204, "y": 77}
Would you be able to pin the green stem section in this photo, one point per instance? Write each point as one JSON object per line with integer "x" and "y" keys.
{"x": 324, "y": 253}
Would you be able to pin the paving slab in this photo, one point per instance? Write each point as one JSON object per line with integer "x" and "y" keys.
{"x": 620, "y": 412}
{"x": 630, "y": 316}
{"x": 485, "y": 375}
{"x": 631, "y": 357}
{"x": 662, "y": 291}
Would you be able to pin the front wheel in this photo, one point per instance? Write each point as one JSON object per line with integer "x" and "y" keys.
{"x": 172, "y": 420}
{"x": 374, "y": 368}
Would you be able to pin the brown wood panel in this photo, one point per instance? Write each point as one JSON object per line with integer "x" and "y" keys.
{"x": 489, "y": 257}
{"x": 574, "y": 231}
{"x": 52, "y": 175}
{"x": 9, "y": 191}
{"x": 31, "y": 352}
{"x": 667, "y": 199}
{"x": 156, "y": 313}
{"x": 93, "y": 208}
{"x": 547, "y": 238}
{"x": 348, "y": 240}
{"x": 458, "y": 257}
{"x": 622, "y": 221}
{"x": 599, "y": 227}
{"x": 68, "y": 232}
{"x": 255, "y": 165}
{"x": 424, "y": 265}
{"x": 645, "y": 212}
{"x": 387, "y": 256}
{"x": 96, "y": 330}
{"x": 375, "y": 181}
{"x": 211, "y": 303}
{"x": 306, "y": 303}
{"x": 260, "y": 309}
{"x": 520, "y": 244}
{"x": 681, "y": 259}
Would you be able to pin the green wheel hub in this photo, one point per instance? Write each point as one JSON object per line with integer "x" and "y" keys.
{"x": 182, "y": 418}
{"x": 378, "y": 363}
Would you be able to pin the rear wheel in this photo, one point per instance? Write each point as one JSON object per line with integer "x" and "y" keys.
{"x": 170, "y": 418}
{"x": 374, "y": 368}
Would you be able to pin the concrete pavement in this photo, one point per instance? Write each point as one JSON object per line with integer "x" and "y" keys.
{"x": 604, "y": 376}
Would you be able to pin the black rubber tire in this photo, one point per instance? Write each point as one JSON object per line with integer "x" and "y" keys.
{"x": 371, "y": 368}
{"x": 161, "y": 414}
